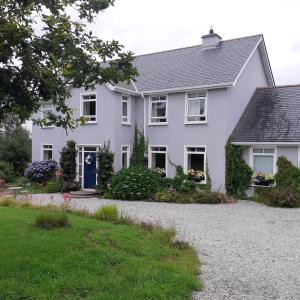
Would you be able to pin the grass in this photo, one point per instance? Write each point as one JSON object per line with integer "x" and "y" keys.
{"x": 90, "y": 259}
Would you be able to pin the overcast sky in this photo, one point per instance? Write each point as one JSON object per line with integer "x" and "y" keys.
{"x": 145, "y": 26}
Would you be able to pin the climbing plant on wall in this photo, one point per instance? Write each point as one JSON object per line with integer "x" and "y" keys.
{"x": 238, "y": 174}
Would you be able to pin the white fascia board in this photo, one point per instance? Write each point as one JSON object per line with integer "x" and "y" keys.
{"x": 266, "y": 143}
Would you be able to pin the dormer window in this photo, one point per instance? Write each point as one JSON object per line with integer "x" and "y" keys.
{"x": 88, "y": 107}
{"x": 125, "y": 110}
{"x": 195, "y": 108}
{"x": 158, "y": 110}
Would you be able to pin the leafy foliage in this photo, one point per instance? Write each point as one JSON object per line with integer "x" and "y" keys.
{"x": 50, "y": 221}
{"x": 105, "y": 169}
{"x": 54, "y": 186}
{"x": 107, "y": 213}
{"x": 135, "y": 183}
{"x": 238, "y": 174}
{"x": 41, "y": 171}
{"x": 287, "y": 176}
{"x": 6, "y": 171}
{"x": 15, "y": 149}
{"x": 68, "y": 161}
{"x": 139, "y": 149}
{"x": 37, "y": 67}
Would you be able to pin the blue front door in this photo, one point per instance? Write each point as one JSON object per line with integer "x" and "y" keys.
{"x": 89, "y": 170}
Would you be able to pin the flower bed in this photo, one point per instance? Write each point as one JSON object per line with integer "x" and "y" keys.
{"x": 262, "y": 179}
{"x": 195, "y": 175}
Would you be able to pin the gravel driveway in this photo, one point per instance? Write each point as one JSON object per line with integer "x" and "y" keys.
{"x": 248, "y": 250}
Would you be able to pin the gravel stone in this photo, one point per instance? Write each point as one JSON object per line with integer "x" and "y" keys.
{"x": 247, "y": 250}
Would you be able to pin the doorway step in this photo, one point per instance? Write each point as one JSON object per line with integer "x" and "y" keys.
{"x": 86, "y": 193}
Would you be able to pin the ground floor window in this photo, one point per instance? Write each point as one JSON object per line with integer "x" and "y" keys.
{"x": 195, "y": 163}
{"x": 158, "y": 159}
{"x": 125, "y": 153}
{"x": 47, "y": 152}
{"x": 264, "y": 165}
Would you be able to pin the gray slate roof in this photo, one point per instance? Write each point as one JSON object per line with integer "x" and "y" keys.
{"x": 272, "y": 115}
{"x": 193, "y": 66}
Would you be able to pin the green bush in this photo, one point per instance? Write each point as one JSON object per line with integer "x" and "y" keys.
{"x": 49, "y": 221}
{"x": 105, "y": 169}
{"x": 287, "y": 176}
{"x": 53, "y": 186}
{"x": 135, "y": 183}
{"x": 68, "y": 163}
{"x": 139, "y": 150}
{"x": 165, "y": 196}
{"x": 6, "y": 171}
{"x": 108, "y": 213}
{"x": 238, "y": 174}
{"x": 107, "y": 195}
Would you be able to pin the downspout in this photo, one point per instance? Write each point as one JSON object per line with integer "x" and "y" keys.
{"x": 145, "y": 111}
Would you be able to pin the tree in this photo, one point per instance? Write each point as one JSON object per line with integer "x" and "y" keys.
{"x": 15, "y": 149}
{"x": 139, "y": 149}
{"x": 43, "y": 67}
{"x": 68, "y": 161}
{"x": 105, "y": 169}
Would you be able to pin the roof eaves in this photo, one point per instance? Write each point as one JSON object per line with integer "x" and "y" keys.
{"x": 190, "y": 88}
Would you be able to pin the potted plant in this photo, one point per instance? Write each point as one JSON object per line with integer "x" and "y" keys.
{"x": 195, "y": 175}
{"x": 263, "y": 179}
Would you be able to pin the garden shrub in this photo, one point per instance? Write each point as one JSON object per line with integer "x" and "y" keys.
{"x": 139, "y": 150}
{"x": 54, "y": 186}
{"x": 68, "y": 161}
{"x": 108, "y": 213}
{"x": 6, "y": 171}
{"x": 71, "y": 186}
{"x": 283, "y": 197}
{"x": 41, "y": 171}
{"x": 165, "y": 196}
{"x": 105, "y": 169}
{"x": 49, "y": 221}
{"x": 135, "y": 183}
{"x": 238, "y": 174}
{"x": 107, "y": 195}
{"x": 287, "y": 176}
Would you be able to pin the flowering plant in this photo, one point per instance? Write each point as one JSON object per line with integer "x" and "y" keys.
{"x": 2, "y": 183}
{"x": 160, "y": 171}
{"x": 260, "y": 178}
{"x": 195, "y": 175}
{"x": 41, "y": 171}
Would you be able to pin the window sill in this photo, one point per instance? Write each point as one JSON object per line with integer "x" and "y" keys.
{"x": 195, "y": 123}
{"x": 262, "y": 186}
{"x": 157, "y": 124}
{"x": 126, "y": 124}
{"x": 91, "y": 123}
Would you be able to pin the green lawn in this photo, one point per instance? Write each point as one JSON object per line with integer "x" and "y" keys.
{"x": 90, "y": 260}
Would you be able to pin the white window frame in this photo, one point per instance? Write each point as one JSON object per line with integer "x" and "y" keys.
{"x": 186, "y": 108}
{"x": 150, "y": 110}
{"x": 264, "y": 154}
{"x": 82, "y": 101}
{"x": 44, "y": 115}
{"x": 128, "y": 117}
{"x": 43, "y": 149}
{"x": 150, "y": 152}
{"x": 128, "y": 155}
{"x": 185, "y": 161}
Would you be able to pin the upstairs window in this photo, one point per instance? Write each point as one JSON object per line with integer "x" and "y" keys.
{"x": 125, "y": 110}
{"x": 46, "y": 109}
{"x": 195, "y": 108}
{"x": 47, "y": 152}
{"x": 89, "y": 107}
{"x": 158, "y": 110}
{"x": 125, "y": 156}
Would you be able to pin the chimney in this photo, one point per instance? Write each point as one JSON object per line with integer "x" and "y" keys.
{"x": 211, "y": 39}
